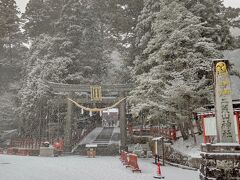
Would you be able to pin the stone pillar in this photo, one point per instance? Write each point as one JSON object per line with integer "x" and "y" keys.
{"x": 223, "y": 102}
{"x": 68, "y": 126}
{"x": 123, "y": 123}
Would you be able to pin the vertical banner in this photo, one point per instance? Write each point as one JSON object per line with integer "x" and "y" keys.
{"x": 96, "y": 93}
{"x": 223, "y": 102}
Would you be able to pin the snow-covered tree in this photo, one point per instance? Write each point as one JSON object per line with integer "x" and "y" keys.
{"x": 213, "y": 13}
{"x": 83, "y": 42}
{"x": 74, "y": 54}
{"x": 144, "y": 33}
{"x": 12, "y": 54}
{"x": 175, "y": 75}
{"x": 11, "y": 37}
{"x": 34, "y": 93}
{"x": 119, "y": 18}
{"x": 40, "y": 17}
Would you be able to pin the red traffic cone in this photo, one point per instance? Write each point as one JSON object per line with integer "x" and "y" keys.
{"x": 159, "y": 174}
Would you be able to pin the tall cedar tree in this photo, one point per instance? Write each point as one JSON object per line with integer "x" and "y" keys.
{"x": 177, "y": 63}
{"x": 40, "y": 17}
{"x": 11, "y": 59}
{"x": 10, "y": 35}
{"x": 74, "y": 54}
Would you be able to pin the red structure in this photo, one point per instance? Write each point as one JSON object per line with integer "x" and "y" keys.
{"x": 130, "y": 160}
{"x": 237, "y": 114}
{"x": 133, "y": 162}
{"x": 208, "y": 139}
{"x": 169, "y": 133}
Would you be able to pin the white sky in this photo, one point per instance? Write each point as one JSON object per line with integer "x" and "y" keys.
{"x": 22, "y": 4}
{"x": 234, "y": 3}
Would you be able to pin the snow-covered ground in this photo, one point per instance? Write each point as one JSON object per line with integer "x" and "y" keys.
{"x": 188, "y": 147}
{"x": 76, "y": 168}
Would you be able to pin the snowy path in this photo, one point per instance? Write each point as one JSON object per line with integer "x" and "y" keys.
{"x": 82, "y": 168}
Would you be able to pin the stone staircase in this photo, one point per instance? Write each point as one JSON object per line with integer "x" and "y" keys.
{"x": 106, "y": 139}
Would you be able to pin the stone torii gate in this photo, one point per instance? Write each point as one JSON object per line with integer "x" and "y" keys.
{"x": 121, "y": 89}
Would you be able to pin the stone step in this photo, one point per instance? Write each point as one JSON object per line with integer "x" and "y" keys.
{"x": 99, "y": 141}
{"x": 67, "y": 153}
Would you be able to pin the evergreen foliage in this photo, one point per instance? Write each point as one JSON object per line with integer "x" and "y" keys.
{"x": 40, "y": 17}
{"x": 173, "y": 73}
{"x": 167, "y": 47}
{"x": 74, "y": 54}
{"x": 212, "y": 13}
{"x": 11, "y": 38}
{"x": 12, "y": 53}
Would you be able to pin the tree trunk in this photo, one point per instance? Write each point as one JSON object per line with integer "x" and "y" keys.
{"x": 186, "y": 128}
{"x": 190, "y": 121}
{"x": 199, "y": 127}
{"x": 192, "y": 131}
{"x": 181, "y": 128}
